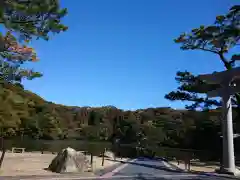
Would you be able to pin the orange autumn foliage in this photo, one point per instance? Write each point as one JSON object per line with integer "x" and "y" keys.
{"x": 12, "y": 46}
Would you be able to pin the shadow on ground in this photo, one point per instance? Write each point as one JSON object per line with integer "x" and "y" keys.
{"x": 201, "y": 164}
{"x": 150, "y": 166}
{"x": 175, "y": 171}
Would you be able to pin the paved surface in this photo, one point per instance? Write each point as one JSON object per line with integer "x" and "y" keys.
{"x": 138, "y": 169}
{"x": 142, "y": 168}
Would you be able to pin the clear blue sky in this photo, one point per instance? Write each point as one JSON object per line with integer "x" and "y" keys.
{"x": 121, "y": 52}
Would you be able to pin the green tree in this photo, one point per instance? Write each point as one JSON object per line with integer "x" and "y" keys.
{"x": 32, "y": 18}
{"x": 24, "y": 21}
{"x": 219, "y": 39}
{"x": 94, "y": 118}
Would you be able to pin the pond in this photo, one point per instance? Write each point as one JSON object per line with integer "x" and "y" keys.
{"x": 57, "y": 145}
{"x": 96, "y": 148}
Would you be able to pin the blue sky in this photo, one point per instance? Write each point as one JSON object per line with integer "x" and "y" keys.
{"x": 121, "y": 52}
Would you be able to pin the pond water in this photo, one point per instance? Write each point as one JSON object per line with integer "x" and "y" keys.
{"x": 96, "y": 148}
{"x": 57, "y": 145}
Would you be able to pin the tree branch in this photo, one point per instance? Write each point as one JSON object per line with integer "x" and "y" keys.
{"x": 226, "y": 63}
{"x": 208, "y": 50}
{"x": 25, "y": 22}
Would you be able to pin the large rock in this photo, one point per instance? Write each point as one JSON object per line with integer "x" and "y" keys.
{"x": 109, "y": 154}
{"x": 69, "y": 161}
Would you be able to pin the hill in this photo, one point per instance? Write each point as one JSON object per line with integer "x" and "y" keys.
{"x": 23, "y": 113}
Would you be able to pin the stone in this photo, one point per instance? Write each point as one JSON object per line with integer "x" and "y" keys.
{"x": 109, "y": 154}
{"x": 69, "y": 161}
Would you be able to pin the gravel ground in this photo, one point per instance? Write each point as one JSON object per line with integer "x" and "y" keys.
{"x": 34, "y": 163}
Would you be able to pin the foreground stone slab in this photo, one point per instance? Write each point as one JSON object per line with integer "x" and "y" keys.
{"x": 70, "y": 161}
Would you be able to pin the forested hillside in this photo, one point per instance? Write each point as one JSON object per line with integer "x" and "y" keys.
{"x": 25, "y": 114}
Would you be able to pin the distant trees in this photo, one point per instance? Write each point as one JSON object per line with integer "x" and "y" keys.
{"x": 219, "y": 38}
{"x": 34, "y": 118}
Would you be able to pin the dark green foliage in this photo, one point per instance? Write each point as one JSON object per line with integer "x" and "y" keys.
{"x": 33, "y": 17}
{"x": 192, "y": 89}
{"x": 25, "y": 20}
{"x": 218, "y": 39}
{"x": 25, "y": 114}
